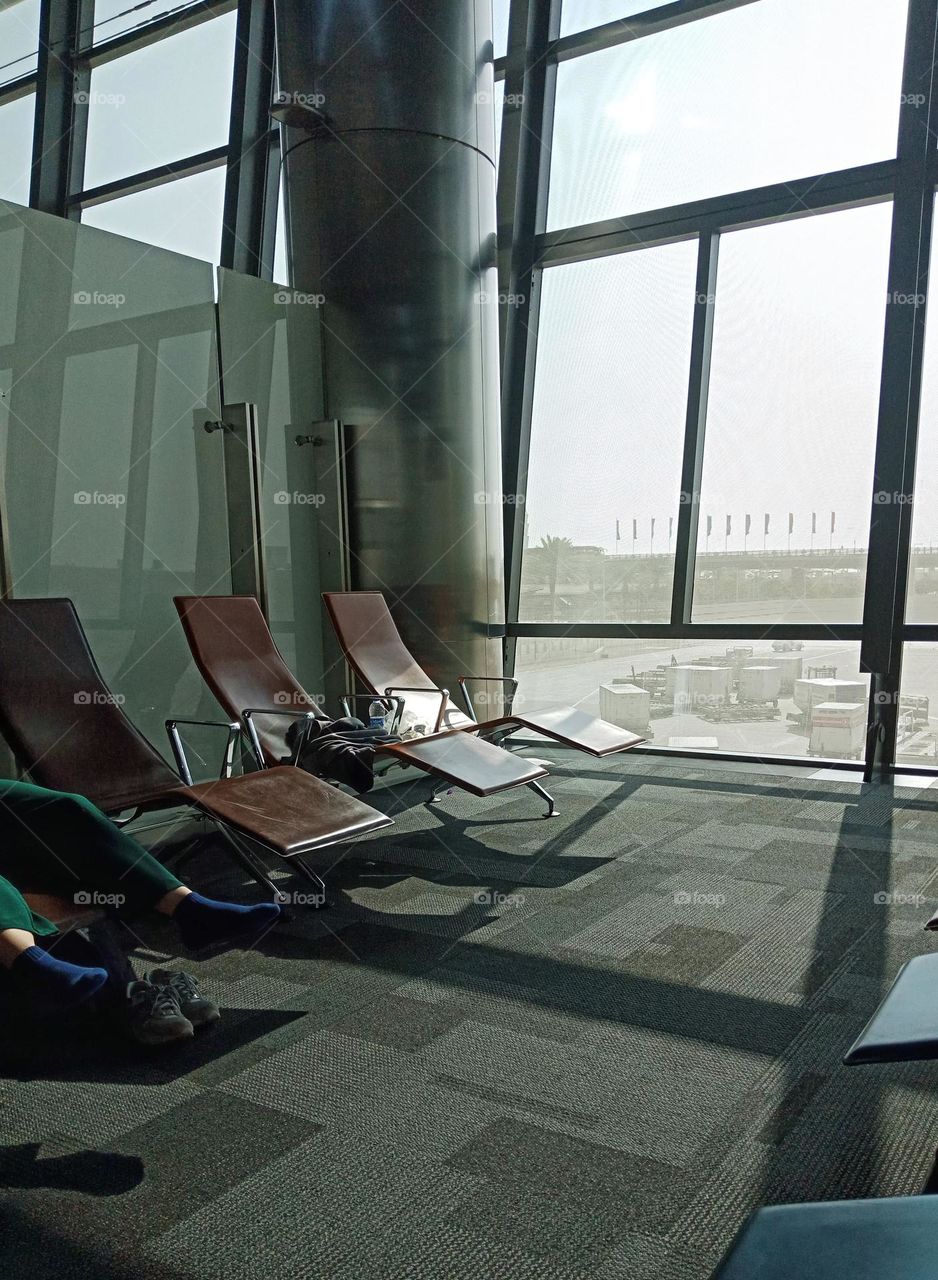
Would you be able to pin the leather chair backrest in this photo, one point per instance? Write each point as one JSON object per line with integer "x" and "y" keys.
{"x": 59, "y": 717}
{"x": 376, "y": 653}
{"x": 241, "y": 664}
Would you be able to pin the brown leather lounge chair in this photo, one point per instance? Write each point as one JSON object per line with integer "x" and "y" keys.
{"x": 376, "y": 653}
{"x": 238, "y": 657}
{"x": 68, "y": 732}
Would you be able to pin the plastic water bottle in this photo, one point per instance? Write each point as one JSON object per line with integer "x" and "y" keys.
{"x": 376, "y": 715}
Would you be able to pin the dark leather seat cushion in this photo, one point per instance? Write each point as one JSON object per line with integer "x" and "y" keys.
{"x": 286, "y": 809}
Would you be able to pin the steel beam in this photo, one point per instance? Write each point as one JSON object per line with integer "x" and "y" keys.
{"x": 900, "y": 389}
{"x": 249, "y": 140}
{"x": 688, "y": 516}
{"x": 524, "y": 158}
{"x": 59, "y": 131}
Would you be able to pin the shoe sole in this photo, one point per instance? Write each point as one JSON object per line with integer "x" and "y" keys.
{"x": 204, "y": 1019}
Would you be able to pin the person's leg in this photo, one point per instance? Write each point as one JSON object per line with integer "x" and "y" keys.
{"x": 43, "y": 980}
{"x": 63, "y": 844}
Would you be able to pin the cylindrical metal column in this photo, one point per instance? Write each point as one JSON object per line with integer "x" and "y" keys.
{"x": 391, "y": 204}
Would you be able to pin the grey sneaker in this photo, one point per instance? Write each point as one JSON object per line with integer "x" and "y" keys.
{"x": 199, "y": 1009}
{"x": 154, "y": 1014}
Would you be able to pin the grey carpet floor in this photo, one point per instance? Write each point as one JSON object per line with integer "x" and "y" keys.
{"x": 568, "y": 1049}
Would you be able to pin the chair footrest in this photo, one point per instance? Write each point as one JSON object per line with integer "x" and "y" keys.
{"x": 575, "y": 728}
{"x": 468, "y": 762}
{"x": 905, "y": 1026}
{"x": 286, "y": 809}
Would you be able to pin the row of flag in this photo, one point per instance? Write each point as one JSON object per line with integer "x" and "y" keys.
{"x": 729, "y": 525}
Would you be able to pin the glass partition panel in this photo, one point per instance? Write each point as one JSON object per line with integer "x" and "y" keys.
{"x": 791, "y": 421}
{"x": 16, "y": 147}
{"x": 270, "y": 346}
{"x": 607, "y": 437}
{"x": 757, "y": 95}
{"x": 115, "y": 492}
{"x": 785, "y": 698}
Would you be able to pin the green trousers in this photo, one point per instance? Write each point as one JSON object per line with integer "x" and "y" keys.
{"x": 53, "y": 842}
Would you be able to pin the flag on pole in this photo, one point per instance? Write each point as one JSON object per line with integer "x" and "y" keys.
{"x": 709, "y": 525}
{"x": 748, "y": 523}
{"x": 670, "y": 526}
{"x": 814, "y": 522}
{"x": 833, "y": 520}
{"x": 766, "y": 529}
{"x": 618, "y": 534}
{"x": 634, "y": 530}
{"x": 791, "y": 522}
{"x": 729, "y": 525}
{"x": 652, "y": 526}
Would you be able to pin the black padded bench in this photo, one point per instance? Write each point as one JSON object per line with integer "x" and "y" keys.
{"x": 888, "y": 1239}
{"x": 905, "y": 1026}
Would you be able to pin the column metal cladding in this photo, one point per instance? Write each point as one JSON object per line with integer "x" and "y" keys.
{"x": 391, "y": 206}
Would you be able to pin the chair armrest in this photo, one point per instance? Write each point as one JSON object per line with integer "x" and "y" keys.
{"x": 398, "y": 708}
{"x": 509, "y": 700}
{"x": 248, "y": 714}
{"x": 179, "y": 751}
{"x": 400, "y": 688}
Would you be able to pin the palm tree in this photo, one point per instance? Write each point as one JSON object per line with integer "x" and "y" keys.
{"x": 554, "y": 549}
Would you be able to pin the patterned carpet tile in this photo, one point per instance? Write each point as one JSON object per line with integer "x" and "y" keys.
{"x": 583, "y": 1049}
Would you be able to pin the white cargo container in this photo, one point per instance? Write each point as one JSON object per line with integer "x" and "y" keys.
{"x": 625, "y": 705}
{"x": 694, "y": 685}
{"x": 838, "y": 729}
{"x": 808, "y": 693}
{"x": 759, "y": 684}
{"x": 790, "y": 665}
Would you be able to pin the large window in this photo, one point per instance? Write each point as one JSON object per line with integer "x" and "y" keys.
{"x": 607, "y": 436}
{"x": 160, "y": 104}
{"x": 923, "y": 569}
{"x": 500, "y": 26}
{"x": 19, "y": 39}
{"x": 770, "y": 92}
{"x": 578, "y": 15}
{"x": 787, "y": 698}
{"x": 16, "y": 147}
{"x": 791, "y": 422}
{"x": 185, "y": 215}
{"x": 114, "y": 17}
{"x": 707, "y": 398}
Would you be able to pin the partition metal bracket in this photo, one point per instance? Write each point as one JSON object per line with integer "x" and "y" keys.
{"x": 243, "y": 497}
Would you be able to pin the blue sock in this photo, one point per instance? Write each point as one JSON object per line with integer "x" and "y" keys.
{"x": 50, "y": 984}
{"x": 203, "y": 922}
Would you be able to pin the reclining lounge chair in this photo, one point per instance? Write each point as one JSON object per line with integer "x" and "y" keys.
{"x": 236, "y": 653}
{"x": 376, "y": 653}
{"x": 69, "y": 733}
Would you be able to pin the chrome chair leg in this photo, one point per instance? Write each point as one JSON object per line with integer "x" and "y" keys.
{"x": 552, "y": 810}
